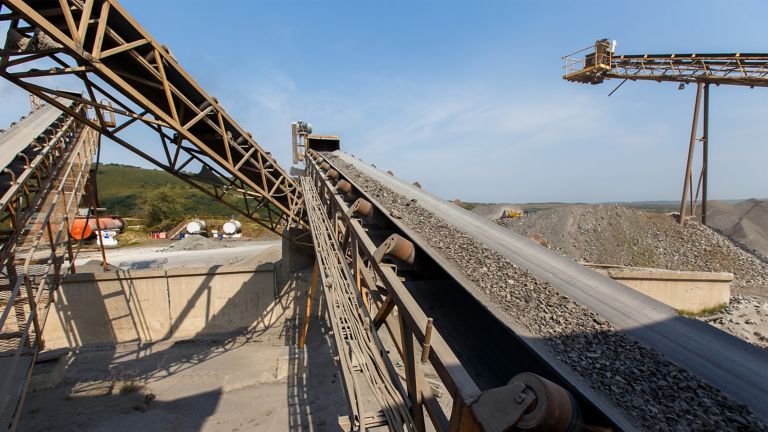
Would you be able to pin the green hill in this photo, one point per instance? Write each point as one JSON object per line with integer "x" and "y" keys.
{"x": 127, "y": 190}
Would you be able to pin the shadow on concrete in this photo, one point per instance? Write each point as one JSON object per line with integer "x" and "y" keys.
{"x": 316, "y": 398}
{"x": 313, "y": 386}
{"x": 122, "y": 412}
{"x": 122, "y": 313}
{"x": 145, "y": 264}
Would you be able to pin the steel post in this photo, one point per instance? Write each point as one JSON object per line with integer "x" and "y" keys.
{"x": 691, "y": 148}
{"x": 705, "y": 156}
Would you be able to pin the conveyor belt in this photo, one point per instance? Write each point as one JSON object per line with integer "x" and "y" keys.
{"x": 730, "y": 364}
{"x": 490, "y": 352}
{"x": 130, "y": 78}
{"x": 41, "y": 192}
{"x": 18, "y": 137}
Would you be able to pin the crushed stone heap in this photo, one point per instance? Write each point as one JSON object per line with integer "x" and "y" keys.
{"x": 194, "y": 243}
{"x": 617, "y": 235}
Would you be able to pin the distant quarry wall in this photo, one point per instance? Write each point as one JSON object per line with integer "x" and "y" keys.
{"x": 151, "y": 305}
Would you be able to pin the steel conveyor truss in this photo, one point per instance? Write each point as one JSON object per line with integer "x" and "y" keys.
{"x": 597, "y": 63}
{"x": 365, "y": 265}
{"x": 131, "y": 79}
{"x": 42, "y": 186}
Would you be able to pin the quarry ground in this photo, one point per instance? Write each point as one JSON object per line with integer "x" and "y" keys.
{"x": 194, "y": 251}
{"x": 250, "y": 380}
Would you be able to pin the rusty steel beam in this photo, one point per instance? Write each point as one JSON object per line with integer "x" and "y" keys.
{"x": 595, "y": 64}
{"x": 389, "y": 267}
{"x": 131, "y": 78}
{"x": 33, "y": 255}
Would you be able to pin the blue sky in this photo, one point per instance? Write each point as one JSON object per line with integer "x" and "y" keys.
{"x": 467, "y": 97}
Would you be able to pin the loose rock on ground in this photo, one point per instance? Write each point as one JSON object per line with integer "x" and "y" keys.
{"x": 618, "y": 235}
{"x": 195, "y": 243}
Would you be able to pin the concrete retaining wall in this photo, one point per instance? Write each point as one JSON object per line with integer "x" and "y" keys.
{"x": 683, "y": 290}
{"x": 150, "y": 305}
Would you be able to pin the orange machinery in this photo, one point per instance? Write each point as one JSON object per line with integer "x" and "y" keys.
{"x": 85, "y": 228}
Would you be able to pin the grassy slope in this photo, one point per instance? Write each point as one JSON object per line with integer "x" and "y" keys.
{"x": 121, "y": 188}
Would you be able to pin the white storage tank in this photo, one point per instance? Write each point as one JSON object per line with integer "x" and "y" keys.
{"x": 196, "y": 226}
{"x": 231, "y": 227}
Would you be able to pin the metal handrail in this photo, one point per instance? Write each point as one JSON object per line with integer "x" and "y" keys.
{"x": 575, "y": 62}
{"x": 413, "y": 320}
{"x": 31, "y": 335}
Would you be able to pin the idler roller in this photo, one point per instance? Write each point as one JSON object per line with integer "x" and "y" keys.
{"x": 361, "y": 207}
{"x": 554, "y": 408}
{"x": 332, "y": 174}
{"x": 396, "y": 247}
{"x": 344, "y": 186}
{"x": 203, "y": 106}
{"x": 325, "y": 166}
{"x": 528, "y": 403}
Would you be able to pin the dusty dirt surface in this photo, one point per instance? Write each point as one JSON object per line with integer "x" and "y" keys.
{"x": 195, "y": 243}
{"x": 251, "y": 380}
{"x": 240, "y": 253}
{"x": 745, "y": 222}
{"x": 610, "y": 234}
{"x": 746, "y": 318}
{"x": 656, "y": 393}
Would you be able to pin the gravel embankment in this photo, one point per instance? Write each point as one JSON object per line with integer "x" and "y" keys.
{"x": 195, "y": 242}
{"x": 611, "y": 234}
{"x": 745, "y": 318}
{"x": 655, "y": 393}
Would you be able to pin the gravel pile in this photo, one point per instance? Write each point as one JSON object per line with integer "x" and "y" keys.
{"x": 656, "y": 393}
{"x": 745, "y": 318}
{"x": 194, "y": 243}
{"x": 745, "y": 222}
{"x": 610, "y": 234}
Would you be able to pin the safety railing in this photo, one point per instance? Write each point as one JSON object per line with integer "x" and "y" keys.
{"x": 590, "y": 60}
{"x": 383, "y": 295}
{"x": 44, "y": 244}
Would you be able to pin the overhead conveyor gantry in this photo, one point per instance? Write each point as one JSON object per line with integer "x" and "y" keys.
{"x": 595, "y": 64}
{"x": 131, "y": 78}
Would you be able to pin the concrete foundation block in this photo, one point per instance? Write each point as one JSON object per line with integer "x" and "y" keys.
{"x": 686, "y": 291}
{"x": 152, "y": 305}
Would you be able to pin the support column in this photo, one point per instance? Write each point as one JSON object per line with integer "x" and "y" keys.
{"x": 691, "y": 148}
{"x": 705, "y": 156}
